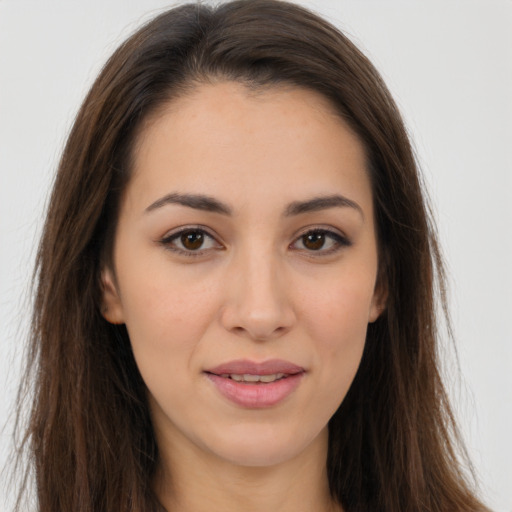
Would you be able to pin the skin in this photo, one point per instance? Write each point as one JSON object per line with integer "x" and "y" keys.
{"x": 255, "y": 289}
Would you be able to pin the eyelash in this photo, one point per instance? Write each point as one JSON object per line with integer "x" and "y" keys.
{"x": 339, "y": 241}
{"x": 168, "y": 240}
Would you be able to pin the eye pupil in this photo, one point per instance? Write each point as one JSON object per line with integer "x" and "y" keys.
{"x": 314, "y": 241}
{"x": 192, "y": 240}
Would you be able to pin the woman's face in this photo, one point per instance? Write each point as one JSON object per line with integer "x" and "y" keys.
{"x": 245, "y": 264}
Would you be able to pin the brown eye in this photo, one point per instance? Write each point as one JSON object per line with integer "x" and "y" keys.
{"x": 192, "y": 240}
{"x": 321, "y": 241}
{"x": 313, "y": 241}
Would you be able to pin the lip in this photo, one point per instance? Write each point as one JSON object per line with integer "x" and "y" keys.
{"x": 241, "y": 366}
{"x": 257, "y": 395}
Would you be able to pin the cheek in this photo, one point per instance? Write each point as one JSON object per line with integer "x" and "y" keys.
{"x": 338, "y": 316}
{"x": 166, "y": 320}
{"x": 337, "y": 322}
{"x": 166, "y": 328}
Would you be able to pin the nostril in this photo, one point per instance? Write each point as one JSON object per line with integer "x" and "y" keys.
{"x": 259, "y": 332}
{"x": 256, "y": 315}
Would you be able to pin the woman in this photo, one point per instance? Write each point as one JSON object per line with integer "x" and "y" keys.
{"x": 235, "y": 302}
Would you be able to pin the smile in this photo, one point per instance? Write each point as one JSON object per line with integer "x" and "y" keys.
{"x": 256, "y": 385}
{"x": 254, "y": 379}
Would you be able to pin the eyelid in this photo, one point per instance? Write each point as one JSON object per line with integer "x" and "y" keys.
{"x": 172, "y": 235}
{"x": 335, "y": 234}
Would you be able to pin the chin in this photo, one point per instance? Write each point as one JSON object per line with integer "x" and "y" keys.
{"x": 262, "y": 447}
{"x": 256, "y": 457}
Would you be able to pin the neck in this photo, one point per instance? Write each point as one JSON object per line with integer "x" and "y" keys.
{"x": 195, "y": 481}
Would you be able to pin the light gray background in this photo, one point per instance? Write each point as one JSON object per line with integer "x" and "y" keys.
{"x": 448, "y": 64}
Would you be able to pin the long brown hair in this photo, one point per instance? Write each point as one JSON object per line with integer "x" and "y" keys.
{"x": 393, "y": 445}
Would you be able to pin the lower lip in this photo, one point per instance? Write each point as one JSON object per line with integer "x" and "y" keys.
{"x": 256, "y": 395}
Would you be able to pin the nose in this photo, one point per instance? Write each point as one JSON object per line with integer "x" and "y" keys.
{"x": 258, "y": 301}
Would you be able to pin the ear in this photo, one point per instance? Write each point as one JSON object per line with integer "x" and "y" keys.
{"x": 379, "y": 299}
{"x": 377, "y": 307}
{"x": 111, "y": 307}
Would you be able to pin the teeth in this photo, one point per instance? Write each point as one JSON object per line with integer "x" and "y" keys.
{"x": 247, "y": 377}
{"x": 271, "y": 378}
{"x": 251, "y": 378}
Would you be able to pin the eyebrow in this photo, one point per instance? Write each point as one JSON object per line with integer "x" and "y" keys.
{"x": 196, "y": 201}
{"x": 321, "y": 203}
{"x": 210, "y": 204}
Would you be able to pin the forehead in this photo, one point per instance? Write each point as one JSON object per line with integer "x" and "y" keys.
{"x": 226, "y": 138}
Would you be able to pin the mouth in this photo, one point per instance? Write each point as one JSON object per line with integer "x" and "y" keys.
{"x": 256, "y": 385}
{"x": 248, "y": 378}
{"x": 245, "y": 367}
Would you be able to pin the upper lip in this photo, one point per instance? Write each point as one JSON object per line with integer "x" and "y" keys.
{"x": 245, "y": 366}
